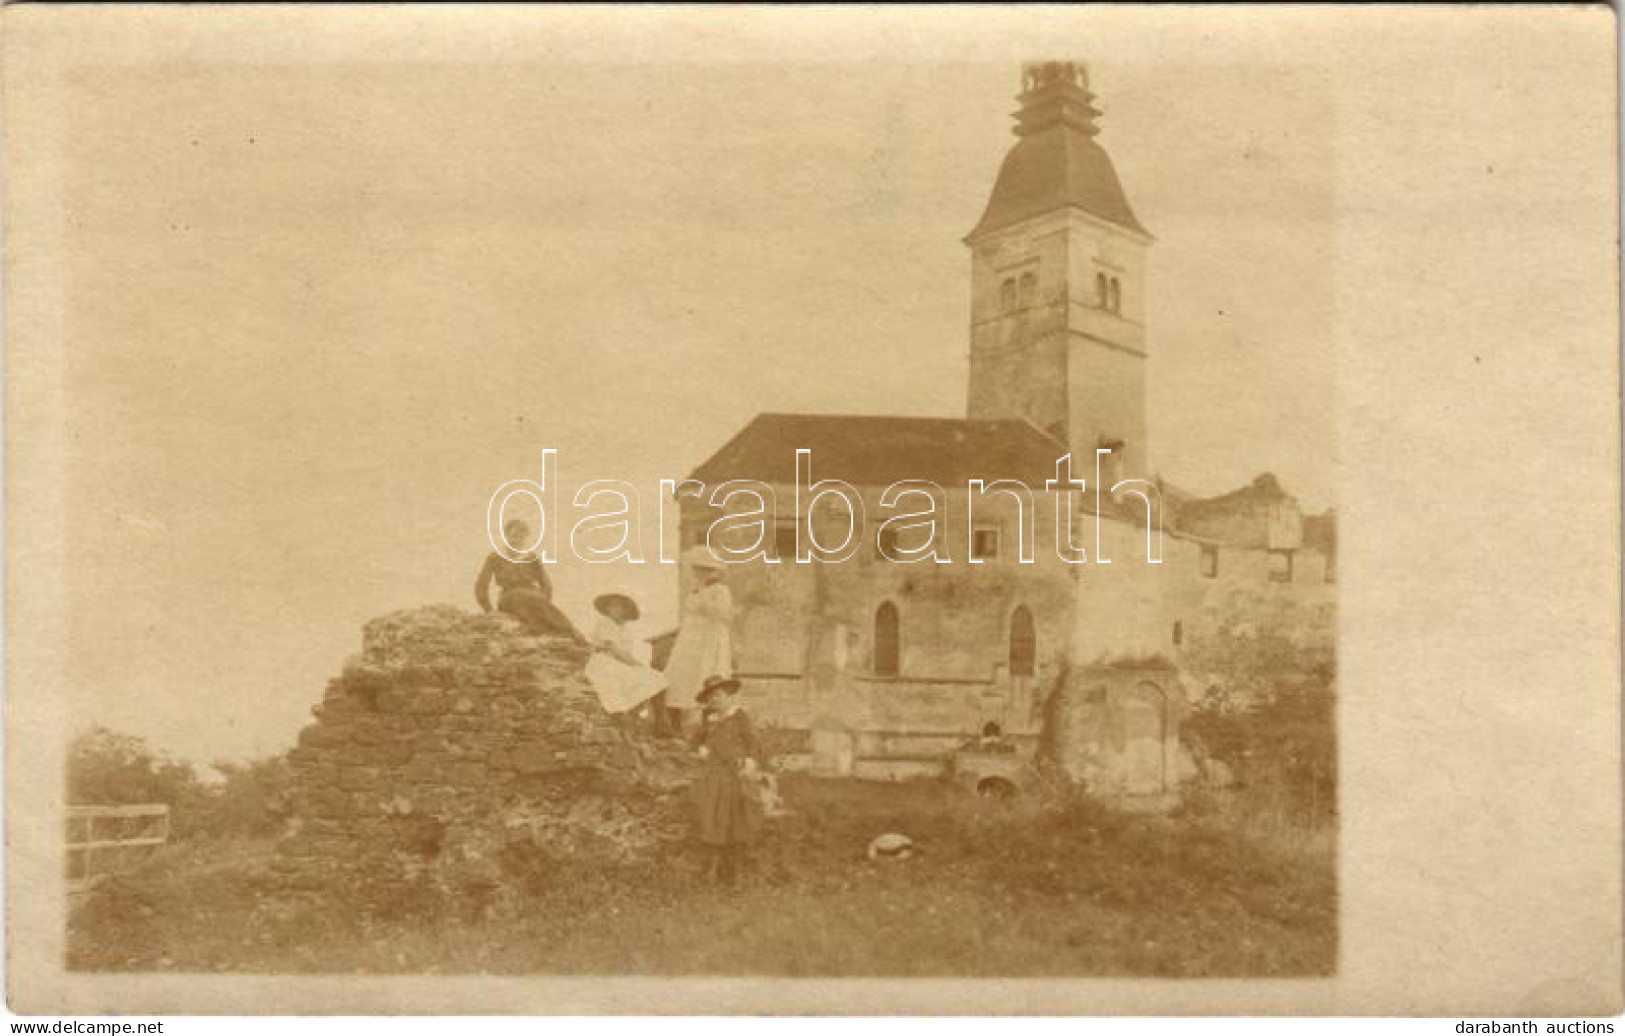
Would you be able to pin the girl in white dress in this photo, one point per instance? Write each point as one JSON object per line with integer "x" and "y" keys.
{"x": 704, "y": 645}
{"x": 622, "y": 681}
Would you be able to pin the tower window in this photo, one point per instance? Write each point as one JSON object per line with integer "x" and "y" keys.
{"x": 1007, "y": 294}
{"x": 1116, "y": 296}
{"x": 1102, "y": 291}
{"x": 1330, "y": 574}
{"x": 1023, "y": 641}
{"x": 1029, "y": 288}
{"x": 1210, "y": 562}
{"x": 887, "y": 647}
{"x": 1179, "y": 633}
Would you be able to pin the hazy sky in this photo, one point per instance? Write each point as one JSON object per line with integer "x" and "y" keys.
{"x": 315, "y": 315}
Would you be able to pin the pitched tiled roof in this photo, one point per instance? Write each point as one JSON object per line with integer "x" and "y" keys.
{"x": 1056, "y": 168}
{"x": 877, "y": 451}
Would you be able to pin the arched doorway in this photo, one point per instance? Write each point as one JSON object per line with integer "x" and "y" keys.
{"x": 1144, "y": 730}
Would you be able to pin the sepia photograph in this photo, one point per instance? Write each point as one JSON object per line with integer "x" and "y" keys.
{"x": 545, "y": 506}
{"x": 1104, "y": 746}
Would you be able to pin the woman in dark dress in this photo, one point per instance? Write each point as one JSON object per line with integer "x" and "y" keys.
{"x": 724, "y": 807}
{"x": 527, "y": 593}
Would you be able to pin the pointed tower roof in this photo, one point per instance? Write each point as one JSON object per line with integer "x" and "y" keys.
{"x": 1056, "y": 164}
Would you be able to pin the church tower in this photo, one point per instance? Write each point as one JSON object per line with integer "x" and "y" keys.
{"x": 1058, "y": 283}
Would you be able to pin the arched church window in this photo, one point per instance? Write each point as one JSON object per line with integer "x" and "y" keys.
{"x": 1007, "y": 294}
{"x": 887, "y": 642}
{"x": 1029, "y": 288}
{"x": 1102, "y": 293}
{"x": 1023, "y": 641}
{"x": 1117, "y": 296}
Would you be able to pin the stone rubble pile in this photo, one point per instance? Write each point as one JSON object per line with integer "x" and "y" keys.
{"x": 458, "y": 750}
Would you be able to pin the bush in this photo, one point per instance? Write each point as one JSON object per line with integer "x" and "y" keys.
{"x": 1282, "y": 749}
{"x": 251, "y": 801}
{"x": 1269, "y": 712}
{"x": 107, "y": 768}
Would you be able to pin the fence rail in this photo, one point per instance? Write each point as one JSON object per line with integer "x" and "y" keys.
{"x": 105, "y": 838}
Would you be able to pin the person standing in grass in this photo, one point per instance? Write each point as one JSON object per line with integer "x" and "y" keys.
{"x": 723, "y": 805}
{"x": 704, "y": 645}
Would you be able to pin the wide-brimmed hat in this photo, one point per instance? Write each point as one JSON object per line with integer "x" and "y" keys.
{"x": 716, "y": 685}
{"x": 700, "y": 556}
{"x": 603, "y": 602}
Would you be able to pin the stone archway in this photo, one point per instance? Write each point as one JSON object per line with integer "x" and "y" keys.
{"x": 1145, "y": 727}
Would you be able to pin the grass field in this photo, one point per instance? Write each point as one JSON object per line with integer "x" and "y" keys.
{"x": 996, "y": 890}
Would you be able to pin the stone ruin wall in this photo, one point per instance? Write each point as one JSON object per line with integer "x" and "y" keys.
{"x": 1116, "y": 729}
{"x": 455, "y": 746}
{"x": 454, "y": 740}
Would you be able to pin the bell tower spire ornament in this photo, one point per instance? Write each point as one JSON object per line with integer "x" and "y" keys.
{"x": 1055, "y": 93}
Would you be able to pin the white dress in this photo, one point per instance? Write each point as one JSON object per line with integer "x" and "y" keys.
{"x": 704, "y": 646}
{"x": 621, "y": 687}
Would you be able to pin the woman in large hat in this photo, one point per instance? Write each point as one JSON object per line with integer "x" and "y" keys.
{"x": 621, "y": 679}
{"x": 724, "y": 807}
{"x": 704, "y": 645}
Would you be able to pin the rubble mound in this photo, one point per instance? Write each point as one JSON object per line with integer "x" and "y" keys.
{"x": 457, "y": 754}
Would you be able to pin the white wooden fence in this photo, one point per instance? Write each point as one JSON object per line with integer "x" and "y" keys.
{"x": 106, "y": 838}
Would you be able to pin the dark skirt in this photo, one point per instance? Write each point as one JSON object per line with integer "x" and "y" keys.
{"x": 724, "y": 809}
{"x": 532, "y": 607}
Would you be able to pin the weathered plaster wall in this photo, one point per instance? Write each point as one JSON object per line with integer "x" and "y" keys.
{"x": 1115, "y": 729}
{"x": 805, "y": 633}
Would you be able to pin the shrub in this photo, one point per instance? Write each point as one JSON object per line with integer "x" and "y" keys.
{"x": 1282, "y": 749}
{"x": 1269, "y": 711}
{"x": 251, "y": 801}
{"x": 107, "y": 768}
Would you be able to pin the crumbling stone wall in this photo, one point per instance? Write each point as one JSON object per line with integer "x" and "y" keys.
{"x": 456, "y": 751}
{"x": 1114, "y": 728}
